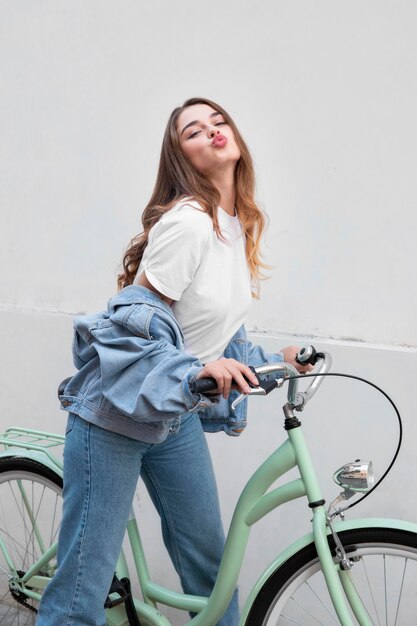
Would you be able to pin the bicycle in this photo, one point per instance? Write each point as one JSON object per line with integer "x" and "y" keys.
{"x": 361, "y": 571}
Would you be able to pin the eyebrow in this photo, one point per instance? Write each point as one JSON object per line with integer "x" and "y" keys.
{"x": 198, "y": 121}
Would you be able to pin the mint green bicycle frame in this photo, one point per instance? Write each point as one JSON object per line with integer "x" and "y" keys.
{"x": 254, "y": 503}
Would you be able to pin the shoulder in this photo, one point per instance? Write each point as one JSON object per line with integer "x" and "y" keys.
{"x": 186, "y": 217}
{"x": 187, "y": 210}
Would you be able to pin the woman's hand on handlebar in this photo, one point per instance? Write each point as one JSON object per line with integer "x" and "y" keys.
{"x": 289, "y": 353}
{"x": 227, "y": 372}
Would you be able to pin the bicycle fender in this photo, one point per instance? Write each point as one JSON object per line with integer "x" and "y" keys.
{"x": 301, "y": 543}
{"x": 33, "y": 455}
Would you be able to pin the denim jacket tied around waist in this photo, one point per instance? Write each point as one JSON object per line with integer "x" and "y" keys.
{"x": 134, "y": 376}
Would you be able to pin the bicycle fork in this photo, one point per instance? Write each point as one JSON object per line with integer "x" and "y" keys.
{"x": 337, "y": 574}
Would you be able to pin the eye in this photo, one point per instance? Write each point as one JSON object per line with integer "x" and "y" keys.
{"x": 194, "y": 134}
{"x": 220, "y": 123}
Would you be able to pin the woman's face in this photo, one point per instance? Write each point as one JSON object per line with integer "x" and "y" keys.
{"x": 206, "y": 139}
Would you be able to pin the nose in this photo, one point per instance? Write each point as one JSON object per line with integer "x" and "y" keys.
{"x": 212, "y": 131}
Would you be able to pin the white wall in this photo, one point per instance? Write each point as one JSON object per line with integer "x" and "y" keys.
{"x": 325, "y": 94}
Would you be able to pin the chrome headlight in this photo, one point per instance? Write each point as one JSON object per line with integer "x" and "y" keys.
{"x": 356, "y": 476}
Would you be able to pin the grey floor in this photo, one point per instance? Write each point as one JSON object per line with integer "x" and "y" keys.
{"x": 10, "y": 615}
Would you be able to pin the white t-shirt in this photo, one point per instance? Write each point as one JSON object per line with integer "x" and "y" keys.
{"x": 207, "y": 277}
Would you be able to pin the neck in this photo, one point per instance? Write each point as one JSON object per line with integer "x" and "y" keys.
{"x": 224, "y": 182}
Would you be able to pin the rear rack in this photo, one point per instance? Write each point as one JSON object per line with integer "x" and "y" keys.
{"x": 30, "y": 439}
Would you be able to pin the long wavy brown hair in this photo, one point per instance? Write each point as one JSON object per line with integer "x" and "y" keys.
{"x": 177, "y": 179}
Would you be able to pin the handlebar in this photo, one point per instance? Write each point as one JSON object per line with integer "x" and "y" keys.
{"x": 298, "y": 400}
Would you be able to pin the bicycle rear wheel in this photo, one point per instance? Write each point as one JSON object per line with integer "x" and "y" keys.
{"x": 30, "y": 516}
{"x": 384, "y": 574}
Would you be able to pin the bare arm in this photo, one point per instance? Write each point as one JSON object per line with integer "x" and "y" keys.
{"x": 144, "y": 282}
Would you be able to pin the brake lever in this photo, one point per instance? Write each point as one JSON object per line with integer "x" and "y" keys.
{"x": 264, "y": 387}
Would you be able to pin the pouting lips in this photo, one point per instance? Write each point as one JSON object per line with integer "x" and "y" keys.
{"x": 219, "y": 141}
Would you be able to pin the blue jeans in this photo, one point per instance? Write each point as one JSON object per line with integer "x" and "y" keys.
{"x": 101, "y": 470}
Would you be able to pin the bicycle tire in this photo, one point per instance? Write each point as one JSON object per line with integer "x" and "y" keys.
{"x": 30, "y": 515}
{"x": 384, "y": 572}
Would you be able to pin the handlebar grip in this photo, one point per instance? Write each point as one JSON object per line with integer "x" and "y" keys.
{"x": 202, "y": 385}
{"x": 62, "y": 385}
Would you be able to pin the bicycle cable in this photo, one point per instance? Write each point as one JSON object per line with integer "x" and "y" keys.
{"x": 400, "y": 425}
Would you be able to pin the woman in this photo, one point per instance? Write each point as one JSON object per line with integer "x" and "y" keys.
{"x": 186, "y": 287}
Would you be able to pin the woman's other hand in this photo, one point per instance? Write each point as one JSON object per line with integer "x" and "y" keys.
{"x": 227, "y": 372}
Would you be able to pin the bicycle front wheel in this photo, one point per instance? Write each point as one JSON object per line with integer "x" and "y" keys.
{"x": 384, "y": 573}
{"x": 30, "y": 516}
